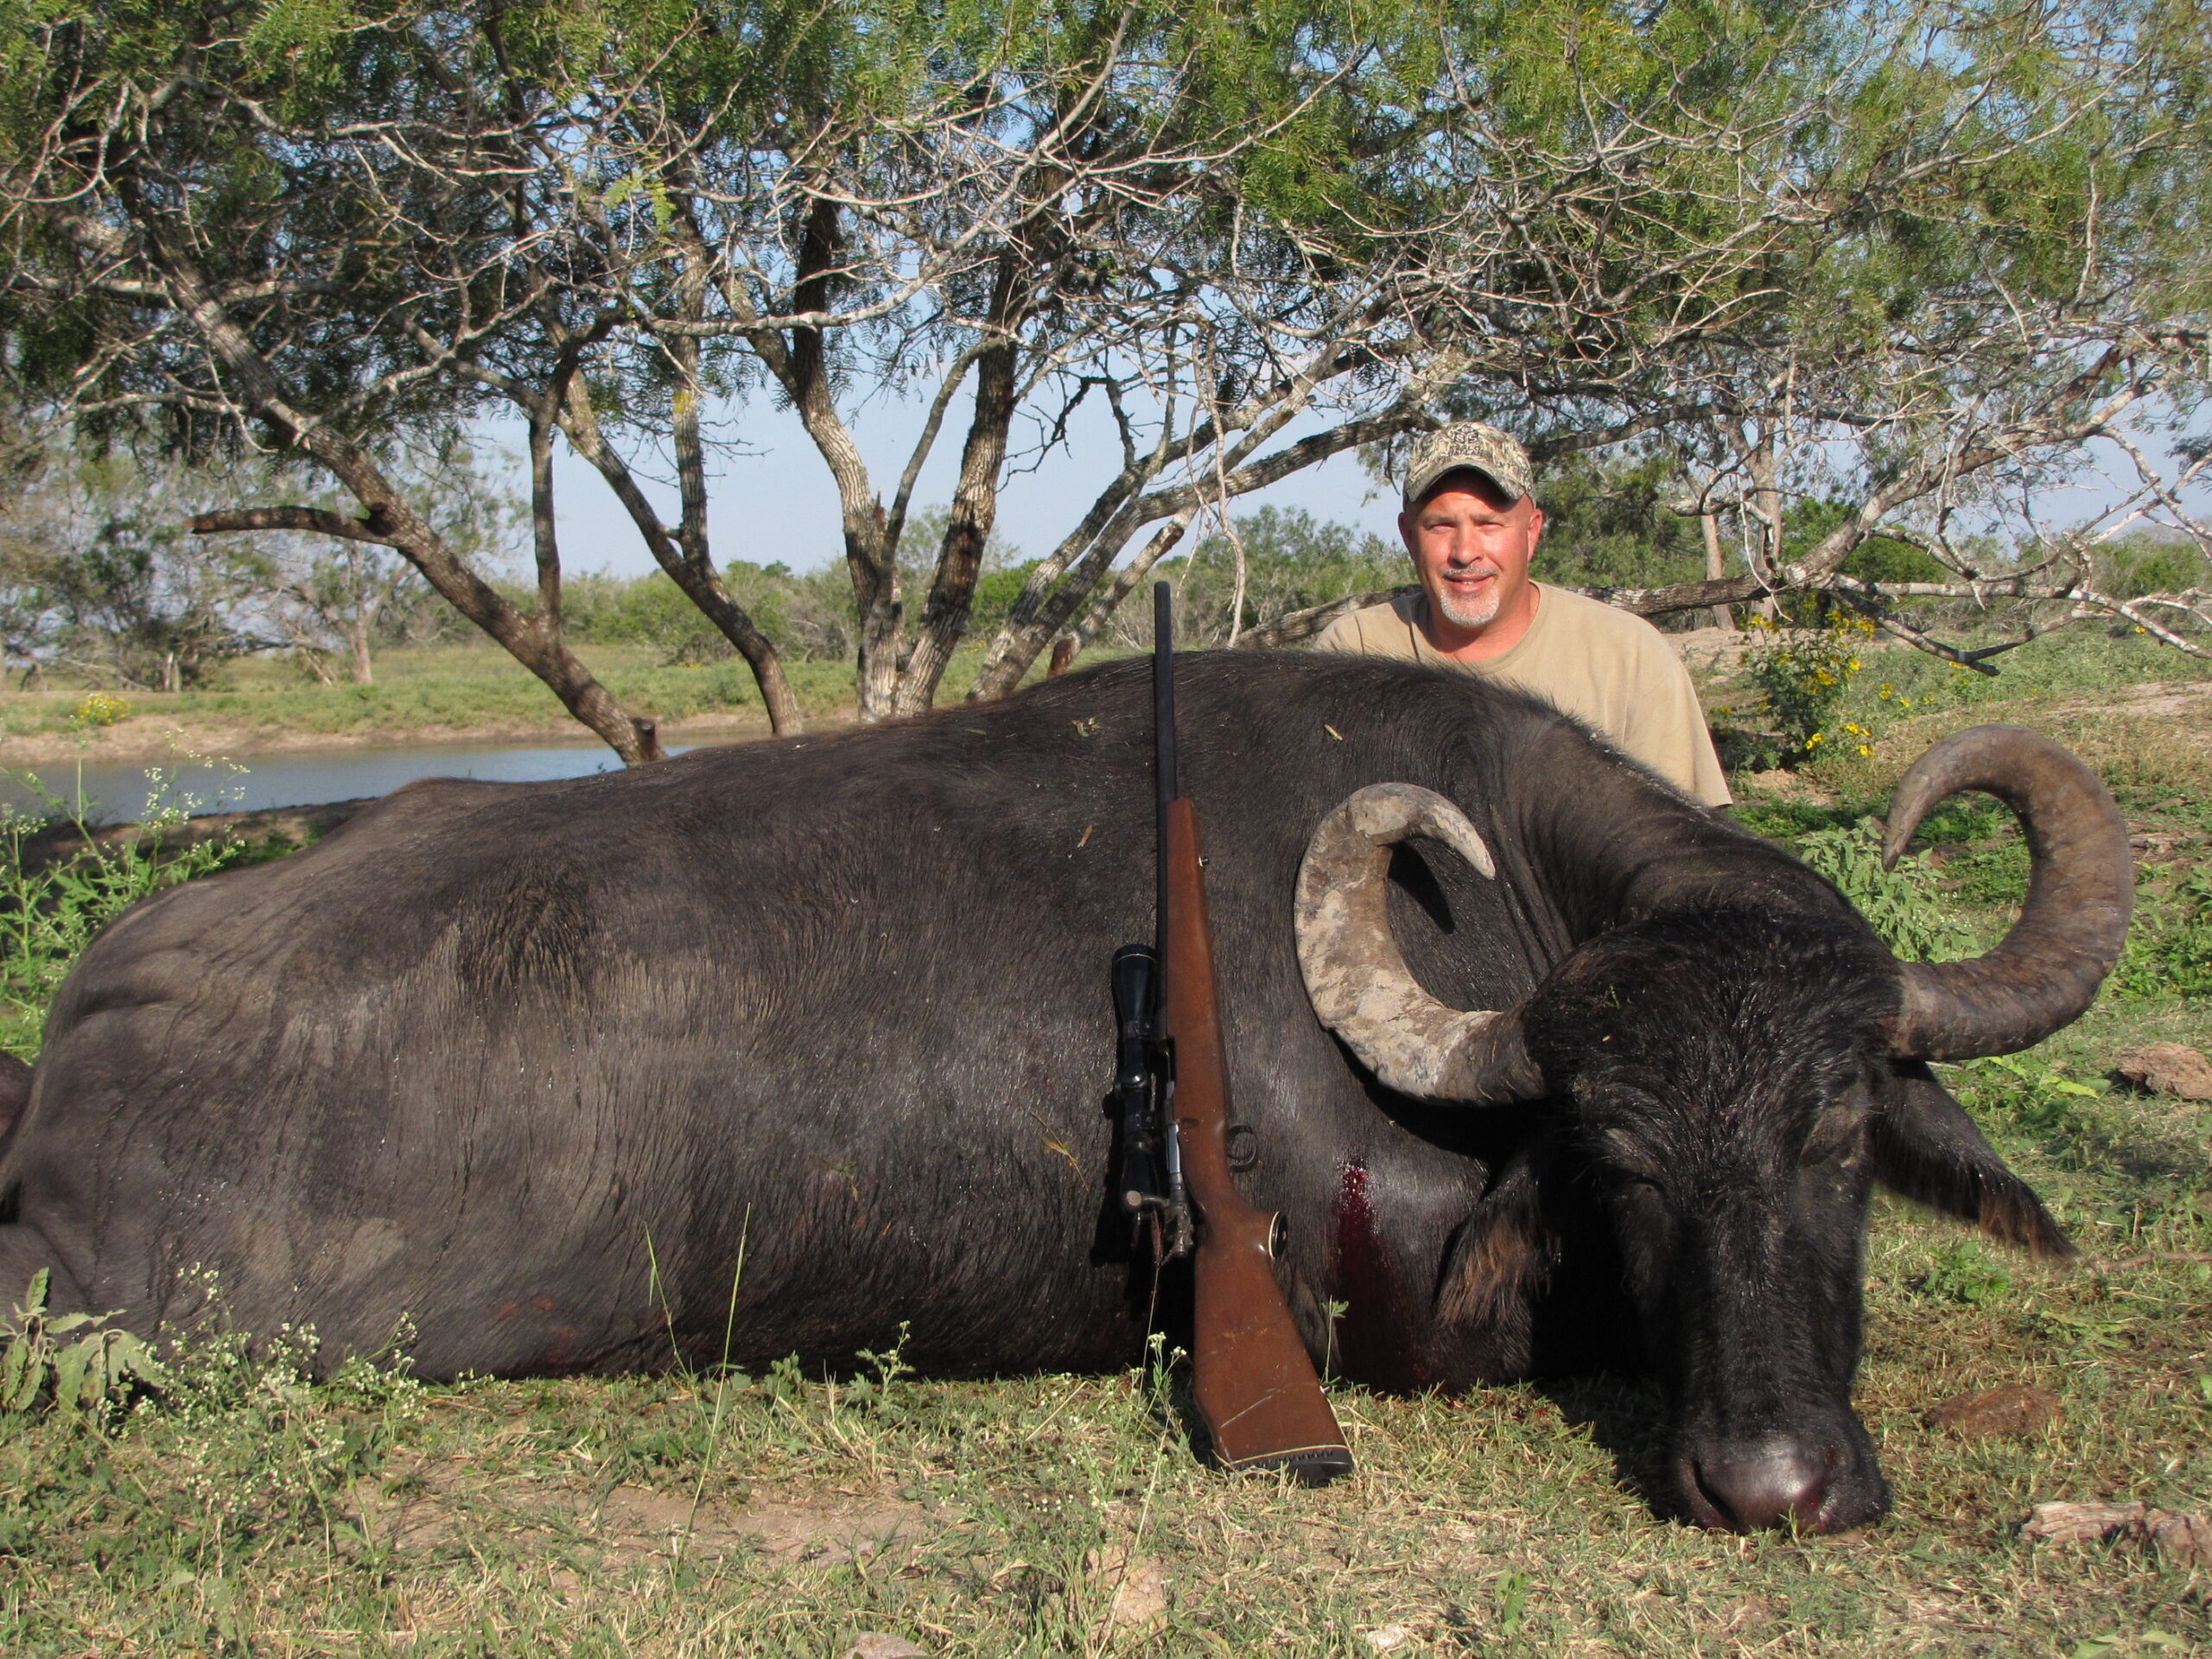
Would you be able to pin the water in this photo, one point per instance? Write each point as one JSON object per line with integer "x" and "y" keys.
{"x": 122, "y": 794}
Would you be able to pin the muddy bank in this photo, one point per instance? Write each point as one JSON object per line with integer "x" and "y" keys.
{"x": 279, "y": 830}
{"x": 156, "y": 739}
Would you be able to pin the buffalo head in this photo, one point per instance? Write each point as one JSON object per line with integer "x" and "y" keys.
{"x": 1736, "y": 1070}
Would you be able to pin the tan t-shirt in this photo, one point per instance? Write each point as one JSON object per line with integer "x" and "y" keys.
{"x": 1607, "y": 667}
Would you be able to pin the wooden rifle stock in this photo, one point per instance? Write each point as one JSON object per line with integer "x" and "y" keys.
{"x": 1254, "y": 1380}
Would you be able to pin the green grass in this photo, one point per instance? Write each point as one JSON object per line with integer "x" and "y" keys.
{"x": 424, "y": 691}
{"x": 243, "y": 1512}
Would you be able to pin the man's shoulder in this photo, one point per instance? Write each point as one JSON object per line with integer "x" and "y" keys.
{"x": 1380, "y": 630}
{"x": 1584, "y": 622}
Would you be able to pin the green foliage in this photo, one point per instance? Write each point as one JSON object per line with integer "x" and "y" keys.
{"x": 2137, "y": 565}
{"x": 74, "y": 1362}
{"x": 2170, "y": 946}
{"x": 1964, "y": 1272}
{"x": 50, "y": 907}
{"x": 98, "y": 571}
{"x": 1608, "y": 522}
{"x": 1293, "y": 562}
{"x": 97, "y": 709}
{"x": 1879, "y": 559}
{"x": 1901, "y": 904}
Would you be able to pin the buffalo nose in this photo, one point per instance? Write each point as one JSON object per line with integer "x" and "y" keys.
{"x": 1767, "y": 1485}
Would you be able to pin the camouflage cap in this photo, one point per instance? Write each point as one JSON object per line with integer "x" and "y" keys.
{"x": 1472, "y": 445}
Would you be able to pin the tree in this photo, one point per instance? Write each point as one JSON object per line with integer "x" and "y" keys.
{"x": 1265, "y": 565}
{"x": 1911, "y": 256}
{"x": 95, "y": 575}
{"x": 317, "y": 229}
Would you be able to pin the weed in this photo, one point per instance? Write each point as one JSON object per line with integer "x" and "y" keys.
{"x": 1900, "y": 904}
{"x": 1802, "y": 675}
{"x": 872, "y": 1393}
{"x": 100, "y": 709}
{"x": 93, "y": 1374}
{"x": 49, "y": 912}
{"x": 1965, "y": 1272}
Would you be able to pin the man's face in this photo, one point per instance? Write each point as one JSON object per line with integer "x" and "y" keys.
{"x": 1470, "y": 548}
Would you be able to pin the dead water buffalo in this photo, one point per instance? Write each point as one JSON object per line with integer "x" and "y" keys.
{"x": 490, "y": 1050}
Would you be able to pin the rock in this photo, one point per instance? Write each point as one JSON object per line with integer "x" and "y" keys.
{"x": 2079, "y": 1523}
{"x": 2011, "y": 1409}
{"x": 874, "y": 1644}
{"x": 2182, "y": 1536}
{"x": 1140, "y": 1587}
{"x": 2168, "y": 1069}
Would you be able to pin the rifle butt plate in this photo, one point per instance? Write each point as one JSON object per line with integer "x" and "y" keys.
{"x": 1311, "y": 1465}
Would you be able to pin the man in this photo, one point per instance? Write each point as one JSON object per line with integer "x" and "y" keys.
{"x": 1470, "y": 526}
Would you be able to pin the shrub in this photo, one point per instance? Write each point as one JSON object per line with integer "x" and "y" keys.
{"x": 93, "y": 1373}
{"x": 1802, "y": 674}
{"x": 1900, "y": 904}
{"x": 50, "y": 910}
{"x": 100, "y": 709}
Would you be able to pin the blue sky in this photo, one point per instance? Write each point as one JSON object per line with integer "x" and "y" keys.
{"x": 775, "y": 500}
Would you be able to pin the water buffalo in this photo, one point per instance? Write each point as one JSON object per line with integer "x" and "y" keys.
{"x": 520, "y": 1061}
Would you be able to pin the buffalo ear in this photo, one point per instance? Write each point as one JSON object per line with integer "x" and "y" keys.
{"x": 1499, "y": 1259}
{"x": 1927, "y": 1148}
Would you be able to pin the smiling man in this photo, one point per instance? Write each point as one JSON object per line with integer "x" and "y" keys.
{"x": 1471, "y": 525}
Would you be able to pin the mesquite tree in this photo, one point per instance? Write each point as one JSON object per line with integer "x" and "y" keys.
{"x": 1923, "y": 259}
{"x": 1912, "y": 255}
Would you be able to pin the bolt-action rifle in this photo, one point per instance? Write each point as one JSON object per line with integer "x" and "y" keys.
{"x": 1253, "y": 1379}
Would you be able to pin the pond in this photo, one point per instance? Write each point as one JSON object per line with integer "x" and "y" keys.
{"x": 119, "y": 794}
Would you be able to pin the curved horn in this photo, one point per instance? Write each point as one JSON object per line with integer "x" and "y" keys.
{"x": 2080, "y": 888}
{"x": 1357, "y": 975}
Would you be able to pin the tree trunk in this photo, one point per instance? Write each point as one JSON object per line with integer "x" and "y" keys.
{"x": 687, "y": 565}
{"x": 1716, "y": 564}
{"x": 975, "y": 508}
{"x": 363, "y": 669}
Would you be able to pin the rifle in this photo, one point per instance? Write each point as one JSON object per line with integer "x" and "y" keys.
{"x": 1254, "y": 1381}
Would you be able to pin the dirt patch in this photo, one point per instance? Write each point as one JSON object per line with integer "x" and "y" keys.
{"x": 427, "y": 1506}
{"x": 1713, "y": 651}
{"x": 2011, "y": 1409}
{"x": 2184, "y": 702}
{"x": 1784, "y": 785}
{"x": 824, "y": 1528}
{"x": 2168, "y": 1069}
